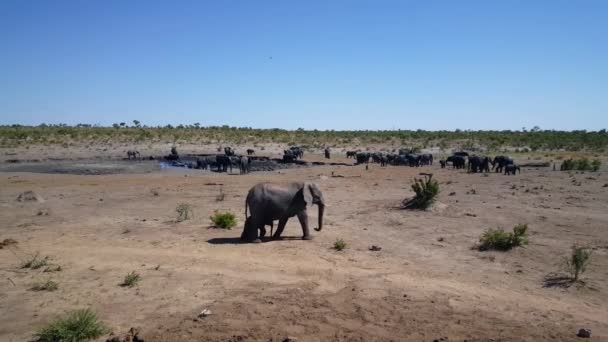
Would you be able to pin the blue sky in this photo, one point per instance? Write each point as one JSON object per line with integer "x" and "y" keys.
{"x": 311, "y": 64}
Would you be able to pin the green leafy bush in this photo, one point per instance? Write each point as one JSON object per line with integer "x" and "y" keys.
{"x": 339, "y": 245}
{"x": 80, "y": 325}
{"x": 577, "y": 263}
{"x": 498, "y": 239}
{"x": 426, "y": 193}
{"x": 225, "y": 220}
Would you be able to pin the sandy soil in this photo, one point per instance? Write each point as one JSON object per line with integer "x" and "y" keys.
{"x": 427, "y": 283}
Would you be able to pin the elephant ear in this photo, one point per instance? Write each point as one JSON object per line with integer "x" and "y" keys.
{"x": 307, "y": 192}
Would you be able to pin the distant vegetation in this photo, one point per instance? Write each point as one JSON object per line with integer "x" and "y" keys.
{"x": 532, "y": 140}
{"x": 581, "y": 165}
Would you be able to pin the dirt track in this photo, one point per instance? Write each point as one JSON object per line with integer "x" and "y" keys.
{"x": 425, "y": 284}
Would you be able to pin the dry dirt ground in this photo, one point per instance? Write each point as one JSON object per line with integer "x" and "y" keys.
{"x": 426, "y": 284}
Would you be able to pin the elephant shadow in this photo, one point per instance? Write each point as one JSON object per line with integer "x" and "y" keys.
{"x": 236, "y": 240}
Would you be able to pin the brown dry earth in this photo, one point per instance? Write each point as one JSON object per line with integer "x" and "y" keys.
{"x": 427, "y": 283}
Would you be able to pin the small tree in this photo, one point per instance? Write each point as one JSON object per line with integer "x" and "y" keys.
{"x": 577, "y": 263}
{"x": 136, "y": 123}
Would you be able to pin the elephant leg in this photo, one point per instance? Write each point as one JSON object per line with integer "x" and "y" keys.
{"x": 303, "y": 218}
{"x": 250, "y": 232}
{"x": 262, "y": 232}
{"x": 282, "y": 223}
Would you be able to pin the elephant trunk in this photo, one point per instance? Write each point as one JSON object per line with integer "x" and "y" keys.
{"x": 321, "y": 210}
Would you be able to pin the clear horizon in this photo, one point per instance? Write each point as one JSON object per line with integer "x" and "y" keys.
{"x": 346, "y": 65}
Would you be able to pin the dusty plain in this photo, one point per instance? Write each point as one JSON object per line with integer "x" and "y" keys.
{"x": 427, "y": 282}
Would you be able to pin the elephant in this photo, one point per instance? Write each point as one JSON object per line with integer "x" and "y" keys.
{"x": 413, "y": 160}
{"x": 244, "y": 164}
{"x": 133, "y": 153}
{"x": 223, "y": 163}
{"x": 376, "y": 156}
{"x": 479, "y": 164}
{"x": 442, "y": 163}
{"x": 298, "y": 152}
{"x": 363, "y": 157}
{"x": 268, "y": 202}
{"x": 327, "y": 153}
{"x": 383, "y": 161}
{"x": 426, "y": 159}
{"x": 501, "y": 161}
{"x": 173, "y": 155}
{"x": 202, "y": 163}
{"x": 458, "y": 162}
{"x": 250, "y": 151}
{"x": 289, "y": 156}
{"x": 461, "y": 153}
{"x": 511, "y": 168}
{"x": 229, "y": 151}
{"x": 351, "y": 154}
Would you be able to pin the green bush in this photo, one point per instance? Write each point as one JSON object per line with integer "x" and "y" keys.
{"x": 339, "y": 245}
{"x": 184, "y": 212}
{"x": 80, "y": 325}
{"x": 225, "y": 220}
{"x": 498, "y": 239}
{"x": 131, "y": 279}
{"x": 577, "y": 263}
{"x": 426, "y": 193}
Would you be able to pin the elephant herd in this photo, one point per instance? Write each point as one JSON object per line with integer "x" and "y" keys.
{"x": 404, "y": 157}
{"x": 477, "y": 163}
{"x": 223, "y": 163}
{"x": 292, "y": 154}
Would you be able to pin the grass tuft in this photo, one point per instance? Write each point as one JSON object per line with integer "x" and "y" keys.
{"x": 131, "y": 279}
{"x": 339, "y": 245}
{"x": 35, "y": 262}
{"x": 48, "y": 285}
{"x": 225, "y": 220}
{"x": 80, "y": 325}
{"x": 184, "y": 212}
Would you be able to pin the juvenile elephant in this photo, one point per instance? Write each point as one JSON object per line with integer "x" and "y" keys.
{"x": 501, "y": 161}
{"x": 250, "y": 151}
{"x": 511, "y": 168}
{"x": 268, "y": 202}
